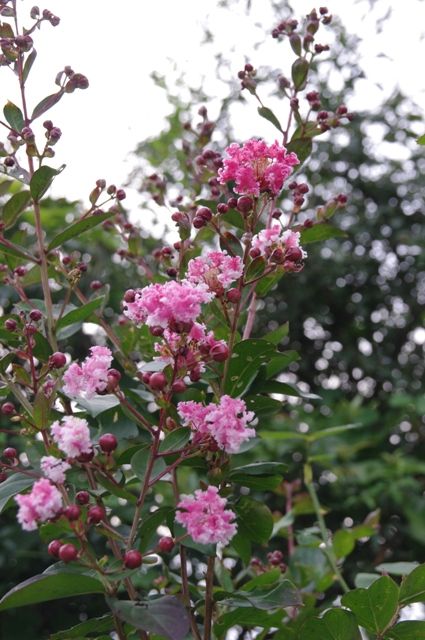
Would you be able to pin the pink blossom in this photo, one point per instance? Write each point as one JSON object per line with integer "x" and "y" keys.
{"x": 54, "y": 468}
{"x": 72, "y": 436}
{"x": 164, "y": 305}
{"x": 256, "y": 167}
{"x": 226, "y": 422}
{"x": 216, "y": 269}
{"x": 44, "y": 502}
{"x": 289, "y": 242}
{"x": 89, "y": 377}
{"x": 205, "y": 517}
{"x": 266, "y": 238}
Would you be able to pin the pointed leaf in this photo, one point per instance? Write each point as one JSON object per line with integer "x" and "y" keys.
{"x": 77, "y": 228}
{"x": 299, "y": 73}
{"x": 14, "y": 116}
{"x": 41, "y": 181}
{"x": 46, "y": 587}
{"x": 413, "y": 586}
{"x": 408, "y": 630}
{"x": 336, "y": 624}
{"x": 13, "y": 485}
{"x": 165, "y": 616}
{"x": 28, "y": 64}
{"x": 255, "y": 520}
{"x": 268, "y": 114}
{"x": 302, "y": 147}
{"x": 81, "y": 313}
{"x": 321, "y": 232}
{"x": 14, "y": 206}
{"x": 105, "y": 623}
{"x": 376, "y": 606}
{"x": 45, "y": 104}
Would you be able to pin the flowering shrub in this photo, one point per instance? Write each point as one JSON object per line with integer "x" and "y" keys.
{"x": 162, "y": 520}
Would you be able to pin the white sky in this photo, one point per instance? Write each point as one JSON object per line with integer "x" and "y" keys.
{"x": 117, "y": 44}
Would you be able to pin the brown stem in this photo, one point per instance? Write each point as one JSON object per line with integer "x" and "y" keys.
{"x": 209, "y": 603}
{"x": 251, "y": 316}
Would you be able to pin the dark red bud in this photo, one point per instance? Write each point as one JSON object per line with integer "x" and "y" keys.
{"x": 57, "y": 360}
{"x": 178, "y": 386}
{"x": 244, "y": 204}
{"x": 108, "y": 442}
{"x": 166, "y": 544}
{"x": 233, "y": 295}
{"x": 68, "y": 552}
{"x": 10, "y": 324}
{"x": 133, "y": 559}
{"x": 10, "y": 453}
{"x": 35, "y": 315}
{"x": 158, "y": 381}
{"x": 219, "y": 352}
{"x": 95, "y": 515}
{"x": 82, "y": 497}
{"x": 7, "y": 408}
{"x": 53, "y": 548}
{"x": 129, "y": 295}
{"x": 72, "y": 512}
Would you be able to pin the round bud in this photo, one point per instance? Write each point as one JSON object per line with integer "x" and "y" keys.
{"x": 219, "y": 352}
{"x": 244, "y": 204}
{"x": 166, "y": 544}
{"x": 57, "y": 360}
{"x": 95, "y": 285}
{"x": 35, "y": 315}
{"x": 133, "y": 559}
{"x": 7, "y": 408}
{"x": 275, "y": 557}
{"x": 172, "y": 272}
{"x": 108, "y": 442}
{"x": 249, "y": 68}
{"x": 101, "y": 183}
{"x": 294, "y": 254}
{"x": 10, "y": 324}
{"x": 158, "y": 381}
{"x": 277, "y": 256}
{"x": 95, "y": 515}
{"x": 233, "y": 295}
{"x": 120, "y": 194}
{"x": 68, "y": 552}
{"x": 10, "y": 453}
{"x": 30, "y": 329}
{"x": 222, "y": 207}
{"x": 20, "y": 271}
{"x": 113, "y": 378}
{"x": 232, "y": 202}
{"x": 146, "y": 376}
{"x": 72, "y": 512}
{"x": 276, "y": 213}
{"x": 129, "y": 295}
{"x": 255, "y": 253}
{"x": 198, "y": 223}
{"x": 53, "y": 548}
{"x": 195, "y": 374}
{"x": 178, "y": 386}
{"x": 82, "y": 497}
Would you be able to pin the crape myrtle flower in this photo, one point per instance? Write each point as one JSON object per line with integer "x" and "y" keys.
{"x": 72, "y": 436}
{"x": 216, "y": 269}
{"x": 256, "y": 167}
{"x": 226, "y": 422}
{"x": 91, "y": 376}
{"x": 54, "y": 468}
{"x": 42, "y": 503}
{"x": 205, "y": 518}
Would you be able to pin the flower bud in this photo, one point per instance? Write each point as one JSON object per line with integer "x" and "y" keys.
{"x": 158, "y": 381}
{"x": 72, "y": 512}
{"x": 53, "y": 548}
{"x": 57, "y": 360}
{"x": 219, "y": 352}
{"x": 108, "y": 442}
{"x": 133, "y": 559}
{"x": 68, "y": 552}
{"x": 166, "y": 544}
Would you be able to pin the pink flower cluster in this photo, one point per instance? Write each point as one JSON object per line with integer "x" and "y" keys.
{"x": 205, "y": 517}
{"x": 256, "y": 167}
{"x": 216, "y": 269}
{"x": 190, "y": 351}
{"x": 226, "y": 422}
{"x": 167, "y": 305}
{"x": 283, "y": 247}
{"x": 91, "y": 376}
{"x": 44, "y": 502}
{"x": 72, "y": 436}
{"x": 54, "y": 468}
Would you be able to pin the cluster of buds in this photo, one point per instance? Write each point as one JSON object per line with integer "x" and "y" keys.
{"x": 156, "y": 187}
{"x": 247, "y": 78}
{"x": 69, "y": 80}
{"x": 298, "y": 190}
{"x": 327, "y": 120}
{"x": 206, "y": 127}
{"x": 288, "y": 28}
{"x": 165, "y": 257}
{"x": 45, "y": 15}
{"x": 274, "y": 559}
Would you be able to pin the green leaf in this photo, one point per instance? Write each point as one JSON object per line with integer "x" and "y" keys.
{"x": 80, "y": 314}
{"x": 46, "y": 587}
{"x": 280, "y": 362}
{"x": 105, "y": 623}
{"x": 413, "y": 586}
{"x": 376, "y": 606}
{"x": 259, "y": 469}
{"x": 263, "y": 580}
{"x": 302, "y": 147}
{"x": 150, "y": 524}
{"x": 45, "y": 104}
{"x": 165, "y": 616}
{"x": 364, "y": 580}
{"x": 13, "y": 485}
{"x": 255, "y": 269}
{"x": 247, "y": 617}
{"x": 397, "y": 568}
{"x": 77, "y": 228}
{"x": 14, "y": 116}
{"x": 175, "y": 440}
{"x": 247, "y": 357}
{"x": 408, "y": 630}
{"x": 268, "y": 114}
{"x": 255, "y": 520}
{"x": 14, "y": 206}
{"x": 139, "y": 464}
{"x": 98, "y": 404}
{"x": 28, "y": 64}
{"x": 336, "y": 624}
{"x": 299, "y": 72}
{"x": 321, "y": 232}
{"x": 421, "y": 139}
{"x": 243, "y": 547}
{"x": 41, "y": 181}
{"x": 284, "y": 594}
{"x": 277, "y": 335}
{"x": 343, "y": 543}
{"x": 333, "y": 431}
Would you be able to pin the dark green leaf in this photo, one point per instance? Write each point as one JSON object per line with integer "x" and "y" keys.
{"x": 14, "y": 206}
{"x": 376, "y": 606}
{"x": 45, "y": 104}
{"x": 140, "y": 461}
{"x": 77, "y": 228}
{"x": 243, "y": 547}
{"x": 41, "y": 181}
{"x": 280, "y": 362}
{"x": 277, "y": 335}
{"x": 246, "y": 359}
{"x": 343, "y": 543}
{"x": 98, "y": 404}
{"x": 263, "y": 580}
{"x": 80, "y": 314}
{"x": 105, "y": 623}
{"x": 14, "y": 116}
{"x": 263, "y": 405}
{"x": 408, "y": 630}
{"x": 254, "y": 520}
{"x": 268, "y": 114}
{"x": 302, "y": 147}
{"x": 13, "y": 485}
{"x": 28, "y": 64}
{"x": 175, "y": 440}
{"x": 165, "y": 616}
{"x": 396, "y": 568}
{"x": 413, "y": 586}
{"x": 255, "y": 269}
{"x": 150, "y": 524}
{"x": 321, "y": 232}
{"x": 46, "y": 587}
{"x": 268, "y": 282}
{"x": 299, "y": 72}
{"x": 421, "y": 139}
{"x": 259, "y": 469}
{"x": 247, "y": 618}
{"x": 336, "y": 624}
{"x": 5, "y": 186}
{"x": 284, "y": 594}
